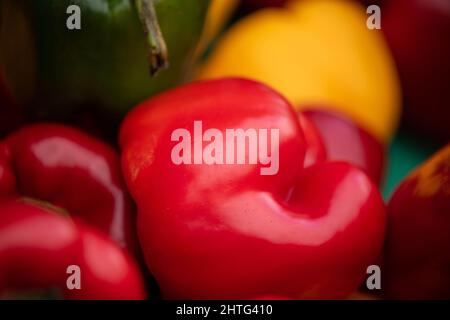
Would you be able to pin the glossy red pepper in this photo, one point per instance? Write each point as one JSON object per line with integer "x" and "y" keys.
{"x": 38, "y": 245}
{"x": 71, "y": 170}
{"x": 417, "y": 259}
{"x": 226, "y": 231}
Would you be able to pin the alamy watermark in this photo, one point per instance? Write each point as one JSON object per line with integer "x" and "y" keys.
{"x": 73, "y": 281}
{"x": 73, "y": 21}
{"x": 374, "y": 19}
{"x": 373, "y": 281}
{"x": 232, "y": 146}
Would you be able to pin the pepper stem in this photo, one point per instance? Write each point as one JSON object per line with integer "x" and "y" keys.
{"x": 45, "y": 205}
{"x": 157, "y": 56}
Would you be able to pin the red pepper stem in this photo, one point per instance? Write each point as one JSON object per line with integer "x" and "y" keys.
{"x": 45, "y": 205}
{"x": 158, "y": 55}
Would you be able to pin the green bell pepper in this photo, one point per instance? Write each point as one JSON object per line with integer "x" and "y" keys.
{"x": 109, "y": 64}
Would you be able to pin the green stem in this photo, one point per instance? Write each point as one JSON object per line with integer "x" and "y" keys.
{"x": 158, "y": 55}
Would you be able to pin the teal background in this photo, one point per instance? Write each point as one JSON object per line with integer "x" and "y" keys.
{"x": 406, "y": 152}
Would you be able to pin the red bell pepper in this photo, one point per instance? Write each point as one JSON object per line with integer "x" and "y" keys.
{"x": 37, "y": 246}
{"x": 417, "y": 258}
{"x": 49, "y": 169}
{"x": 72, "y": 170}
{"x": 214, "y": 230}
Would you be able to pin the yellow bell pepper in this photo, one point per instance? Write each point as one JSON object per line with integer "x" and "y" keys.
{"x": 317, "y": 52}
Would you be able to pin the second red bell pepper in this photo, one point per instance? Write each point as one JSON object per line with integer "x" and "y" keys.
{"x": 63, "y": 166}
{"x": 417, "y": 257}
{"x": 49, "y": 173}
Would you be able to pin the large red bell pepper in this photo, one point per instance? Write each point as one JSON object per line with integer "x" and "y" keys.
{"x": 38, "y": 246}
{"x": 72, "y": 170}
{"x": 212, "y": 230}
{"x": 417, "y": 259}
